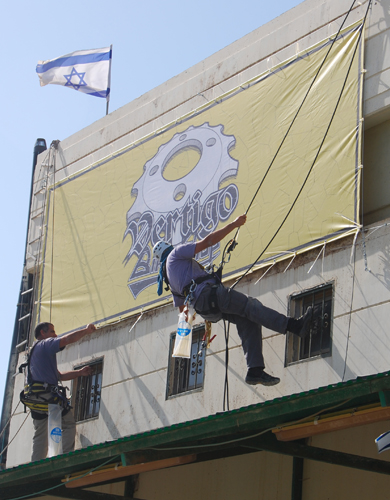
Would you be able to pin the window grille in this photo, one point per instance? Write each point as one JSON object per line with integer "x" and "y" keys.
{"x": 318, "y": 342}
{"x": 187, "y": 374}
{"x": 87, "y": 392}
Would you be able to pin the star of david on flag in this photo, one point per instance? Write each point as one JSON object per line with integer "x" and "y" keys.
{"x": 87, "y": 71}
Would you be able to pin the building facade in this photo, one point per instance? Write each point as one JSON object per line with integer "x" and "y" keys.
{"x": 173, "y": 426}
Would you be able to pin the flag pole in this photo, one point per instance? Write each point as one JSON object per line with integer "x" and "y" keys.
{"x": 109, "y": 83}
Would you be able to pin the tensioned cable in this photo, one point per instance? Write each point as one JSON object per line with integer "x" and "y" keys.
{"x": 300, "y": 106}
{"x": 317, "y": 154}
{"x": 17, "y": 432}
{"x": 244, "y": 438}
{"x": 7, "y": 424}
{"x": 354, "y": 272}
{"x": 226, "y": 386}
{"x": 350, "y": 313}
{"x": 299, "y": 109}
{"x": 231, "y": 244}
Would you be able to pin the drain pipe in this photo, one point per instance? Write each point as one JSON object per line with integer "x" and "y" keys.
{"x": 21, "y": 327}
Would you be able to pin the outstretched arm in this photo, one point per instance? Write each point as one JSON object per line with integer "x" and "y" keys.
{"x": 86, "y": 370}
{"x": 219, "y": 234}
{"x": 216, "y": 237}
{"x": 72, "y": 337}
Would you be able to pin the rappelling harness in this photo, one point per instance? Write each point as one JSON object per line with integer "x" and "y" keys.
{"x": 189, "y": 289}
{"x": 38, "y": 395}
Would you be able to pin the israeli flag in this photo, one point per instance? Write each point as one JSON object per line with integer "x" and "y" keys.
{"x": 383, "y": 442}
{"x": 88, "y": 71}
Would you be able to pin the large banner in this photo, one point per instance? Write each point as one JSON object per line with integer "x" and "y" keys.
{"x": 199, "y": 174}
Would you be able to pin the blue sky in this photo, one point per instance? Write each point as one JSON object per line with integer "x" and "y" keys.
{"x": 152, "y": 42}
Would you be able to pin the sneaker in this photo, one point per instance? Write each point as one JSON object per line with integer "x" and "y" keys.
{"x": 301, "y": 326}
{"x": 253, "y": 378}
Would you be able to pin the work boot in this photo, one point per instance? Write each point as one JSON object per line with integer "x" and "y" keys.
{"x": 259, "y": 376}
{"x": 301, "y": 326}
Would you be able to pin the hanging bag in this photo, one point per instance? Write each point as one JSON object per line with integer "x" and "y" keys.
{"x": 183, "y": 340}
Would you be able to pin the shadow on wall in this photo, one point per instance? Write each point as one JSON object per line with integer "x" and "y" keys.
{"x": 133, "y": 385}
{"x": 369, "y": 323}
{"x": 384, "y": 259}
{"x": 84, "y": 441}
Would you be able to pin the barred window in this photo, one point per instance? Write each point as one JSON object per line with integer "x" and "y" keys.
{"x": 318, "y": 342}
{"x": 86, "y": 392}
{"x": 187, "y": 374}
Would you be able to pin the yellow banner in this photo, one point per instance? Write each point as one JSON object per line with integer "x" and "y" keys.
{"x": 202, "y": 172}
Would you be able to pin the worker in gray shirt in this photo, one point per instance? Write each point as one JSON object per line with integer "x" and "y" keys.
{"x": 214, "y": 302}
{"x": 43, "y": 378}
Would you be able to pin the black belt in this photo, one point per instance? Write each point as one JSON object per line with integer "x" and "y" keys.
{"x": 197, "y": 281}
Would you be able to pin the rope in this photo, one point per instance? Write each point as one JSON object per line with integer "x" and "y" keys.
{"x": 226, "y": 386}
{"x": 322, "y": 251}
{"x": 350, "y": 313}
{"x": 269, "y": 269}
{"x": 7, "y": 424}
{"x": 298, "y": 111}
{"x": 17, "y": 432}
{"x": 300, "y": 106}
{"x": 233, "y": 242}
{"x": 317, "y": 154}
{"x": 133, "y": 326}
{"x": 244, "y": 438}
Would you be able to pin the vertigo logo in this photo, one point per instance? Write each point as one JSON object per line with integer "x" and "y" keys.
{"x": 186, "y": 209}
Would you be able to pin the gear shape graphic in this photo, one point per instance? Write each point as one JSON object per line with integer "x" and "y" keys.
{"x": 160, "y": 196}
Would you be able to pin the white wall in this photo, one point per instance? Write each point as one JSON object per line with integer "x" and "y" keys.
{"x": 135, "y": 364}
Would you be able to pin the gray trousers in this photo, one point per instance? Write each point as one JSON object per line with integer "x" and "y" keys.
{"x": 40, "y": 441}
{"x": 248, "y": 314}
